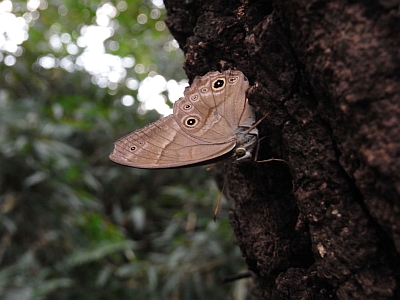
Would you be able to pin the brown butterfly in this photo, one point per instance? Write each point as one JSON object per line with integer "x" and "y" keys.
{"x": 211, "y": 122}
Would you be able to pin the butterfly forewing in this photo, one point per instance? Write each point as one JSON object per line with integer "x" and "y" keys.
{"x": 215, "y": 102}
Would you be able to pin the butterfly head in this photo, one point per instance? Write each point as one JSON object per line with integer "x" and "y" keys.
{"x": 242, "y": 153}
{"x": 245, "y": 143}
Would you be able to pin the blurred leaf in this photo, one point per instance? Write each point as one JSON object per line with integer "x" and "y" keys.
{"x": 73, "y": 224}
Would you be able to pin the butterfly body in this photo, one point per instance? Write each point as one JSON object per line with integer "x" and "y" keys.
{"x": 212, "y": 121}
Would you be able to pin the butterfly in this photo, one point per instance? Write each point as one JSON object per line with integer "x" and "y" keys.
{"x": 212, "y": 121}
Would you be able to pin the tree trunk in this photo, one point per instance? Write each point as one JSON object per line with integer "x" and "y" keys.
{"x": 325, "y": 224}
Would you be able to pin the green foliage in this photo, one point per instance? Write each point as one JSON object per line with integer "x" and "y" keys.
{"x": 74, "y": 225}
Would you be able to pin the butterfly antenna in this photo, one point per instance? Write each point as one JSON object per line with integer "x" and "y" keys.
{"x": 266, "y": 160}
{"x": 219, "y": 201}
{"x": 272, "y": 159}
{"x": 258, "y": 148}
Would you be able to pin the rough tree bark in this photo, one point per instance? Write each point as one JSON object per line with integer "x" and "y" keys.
{"x": 325, "y": 225}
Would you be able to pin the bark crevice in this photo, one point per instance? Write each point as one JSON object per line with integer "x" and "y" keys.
{"x": 327, "y": 224}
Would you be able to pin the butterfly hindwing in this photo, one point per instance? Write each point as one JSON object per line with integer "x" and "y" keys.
{"x": 163, "y": 144}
